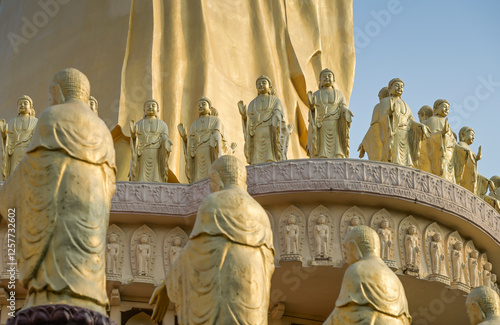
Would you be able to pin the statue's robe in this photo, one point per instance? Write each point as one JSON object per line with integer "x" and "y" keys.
{"x": 263, "y": 141}
{"x": 373, "y": 148}
{"x": 329, "y": 126}
{"x": 16, "y": 143}
{"x": 371, "y": 294}
{"x": 437, "y": 154}
{"x": 206, "y": 143}
{"x": 62, "y": 192}
{"x": 398, "y": 135}
{"x": 151, "y": 152}
{"x": 223, "y": 275}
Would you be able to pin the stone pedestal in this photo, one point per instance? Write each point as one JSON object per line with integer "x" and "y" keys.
{"x": 58, "y": 315}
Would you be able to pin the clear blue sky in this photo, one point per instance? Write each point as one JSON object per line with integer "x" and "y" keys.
{"x": 441, "y": 49}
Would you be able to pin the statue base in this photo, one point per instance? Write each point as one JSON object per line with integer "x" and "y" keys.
{"x": 412, "y": 271}
{"x": 391, "y": 264}
{"x": 322, "y": 260}
{"x": 460, "y": 286}
{"x": 58, "y": 315}
{"x": 439, "y": 278}
{"x": 143, "y": 279}
{"x": 291, "y": 258}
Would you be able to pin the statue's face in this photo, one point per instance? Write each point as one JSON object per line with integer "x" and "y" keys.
{"x": 151, "y": 109}
{"x": 437, "y": 237}
{"x": 263, "y": 86}
{"x": 469, "y": 137}
{"x": 397, "y": 88}
{"x": 177, "y": 241}
{"x": 24, "y": 106}
{"x": 112, "y": 239}
{"x": 351, "y": 252}
{"x": 203, "y": 107}
{"x": 443, "y": 109}
{"x": 322, "y": 220}
{"x": 327, "y": 79}
{"x": 458, "y": 245}
{"x": 291, "y": 220}
{"x": 144, "y": 240}
{"x": 475, "y": 254}
{"x": 474, "y": 313}
{"x": 412, "y": 230}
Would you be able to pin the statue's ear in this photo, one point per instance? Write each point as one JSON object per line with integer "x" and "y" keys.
{"x": 56, "y": 95}
{"x": 216, "y": 183}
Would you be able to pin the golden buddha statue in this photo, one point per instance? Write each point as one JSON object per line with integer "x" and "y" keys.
{"x": 266, "y": 133}
{"x": 483, "y": 306}
{"x": 329, "y": 120}
{"x": 62, "y": 193}
{"x": 205, "y": 142}
{"x": 223, "y": 275}
{"x": 16, "y": 135}
{"x": 371, "y": 293}
{"x": 150, "y": 146}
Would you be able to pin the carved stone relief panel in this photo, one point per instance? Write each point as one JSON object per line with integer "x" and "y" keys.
{"x": 115, "y": 252}
{"x": 320, "y": 227}
{"x": 292, "y": 224}
{"x": 455, "y": 253}
{"x": 435, "y": 255}
{"x": 383, "y": 223}
{"x": 142, "y": 254}
{"x": 472, "y": 264}
{"x": 174, "y": 242}
{"x": 410, "y": 246}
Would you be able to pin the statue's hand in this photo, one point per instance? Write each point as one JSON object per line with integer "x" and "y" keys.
{"x": 479, "y": 154}
{"x": 133, "y": 129}
{"x": 275, "y": 121}
{"x": 311, "y": 99}
{"x": 389, "y": 243}
{"x": 3, "y": 127}
{"x": 361, "y": 150}
{"x": 348, "y": 115}
{"x": 159, "y": 296}
{"x": 242, "y": 108}
{"x": 182, "y": 131}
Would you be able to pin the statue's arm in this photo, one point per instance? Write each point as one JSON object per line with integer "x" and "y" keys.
{"x": 160, "y": 297}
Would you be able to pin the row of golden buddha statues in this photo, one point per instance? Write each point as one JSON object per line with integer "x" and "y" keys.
{"x": 60, "y": 194}
{"x": 394, "y": 136}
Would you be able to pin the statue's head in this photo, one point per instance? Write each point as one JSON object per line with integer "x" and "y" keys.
{"x": 474, "y": 254}
{"x": 396, "y": 87}
{"x": 264, "y": 85}
{"x": 436, "y": 237}
{"x": 496, "y": 181}
{"x": 488, "y": 266}
{"x": 112, "y": 238}
{"x": 144, "y": 239}
{"x": 441, "y": 107}
{"x": 361, "y": 242}
{"x": 383, "y": 93}
{"x": 424, "y": 113}
{"x": 493, "y": 278}
{"x": 384, "y": 223}
{"x": 458, "y": 245}
{"x": 93, "y": 104}
{"x": 292, "y": 220}
{"x": 227, "y": 171}
{"x": 326, "y": 78}
{"x": 204, "y": 106}
{"x": 177, "y": 241}
{"x": 355, "y": 221}
{"x": 151, "y": 108}
{"x": 69, "y": 84}
{"x": 25, "y": 105}
{"x": 482, "y": 302}
{"x": 412, "y": 229}
{"x": 322, "y": 220}
{"x": 466, "y": 134}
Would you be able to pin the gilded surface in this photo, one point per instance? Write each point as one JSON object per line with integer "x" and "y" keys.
{"x": 224, "y": 273}
{"x": 204, "y": 143}
{"x": 62, "y": 193}
{"x": 329, "y": 120}
{"x": 266, "y": 133}
{"x": 16, "y": 135}
{"x": 371, "y": 293}
{"x": 150, "y": 146}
